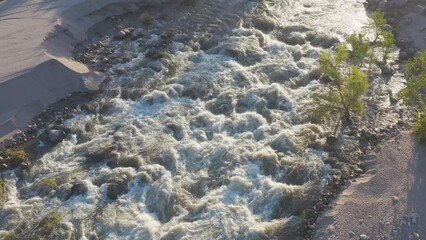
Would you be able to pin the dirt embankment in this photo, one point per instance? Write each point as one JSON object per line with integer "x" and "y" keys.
{"x": 37, "y": 41}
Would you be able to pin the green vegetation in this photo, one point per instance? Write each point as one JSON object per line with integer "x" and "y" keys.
{"x": 383, "y": 37}
{"x": 360, "y": 48}
{"x": 8, "y": 236}
{"x": 347, "y": 79}
{"x": 146, "y": 18}
{"x": 50, "y": 183}
{"x": 48, "y": 223}
{"x": 414, "y": 93}
{"x": 347, "y": 85}
{"x": 2, "y": 191}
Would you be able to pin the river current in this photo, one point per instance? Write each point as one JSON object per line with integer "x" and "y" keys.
{"x": 210, "y": 143}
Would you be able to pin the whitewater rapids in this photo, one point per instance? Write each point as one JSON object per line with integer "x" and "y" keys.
{"x": 209, "y": 142}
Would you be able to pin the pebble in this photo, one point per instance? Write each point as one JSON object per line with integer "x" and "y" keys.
{"x": 364, "y": 237}
{"x": 395, "y": 200}
{"x": 351, "y": 234}
{"x": 416, "y": 235}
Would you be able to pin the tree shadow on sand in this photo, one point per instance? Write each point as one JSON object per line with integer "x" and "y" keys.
{"x": 414, "y": 220}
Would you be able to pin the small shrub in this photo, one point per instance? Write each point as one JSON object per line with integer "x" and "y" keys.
{"x": 50, "y": 182}
{"x": 414, "y": 93}
{"x": 8, "y": 236}
{"x": 48, "y": 223}
{"x": 146, "y": 18}
{"x": 420, "y": 128}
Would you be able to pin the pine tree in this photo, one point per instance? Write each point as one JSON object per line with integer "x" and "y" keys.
{"x": 414, "y": 93}
{"x": 360, "y": 48}
{"x": 347, "y": 86}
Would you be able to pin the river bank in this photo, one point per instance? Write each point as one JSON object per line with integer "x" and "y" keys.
{"x": 387, "y": 202}
{"x": 37, "y": 43}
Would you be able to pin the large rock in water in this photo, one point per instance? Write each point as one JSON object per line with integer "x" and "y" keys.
{"x": 117, "y": 186}
{"x": 56, "y": 135}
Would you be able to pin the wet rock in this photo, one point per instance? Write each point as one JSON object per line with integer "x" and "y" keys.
{"x": 130, "y": 161}
{"x": 386, "y": 69}
{"x": 321, "y": 39}
{"x": 221, "y": 105}
{"x": 137, "y": 33}
{"x": 283, "y": 144}
{"x": 284, "y": 74}
{"x": 176, "y": 131}
{"x": 117, "y": 186}
{"x": 276, "y": 98}
{"x": 156, "y": 66}
{"x": 297, "y": 54}
{"x": 122, "y": 34}
{"x": 263, "y": 24}
{"x": 301, "y": 65}
{"x": 56, "y": 135}
{"x": 13, "y": 158}
{"x": 268, "y": 160}
{"x": 154, "y": 53}
{"x": 144, "y": 178}
{"x": 294, "y": 38}
{"x": 163, "y": 199}
{"x": 101, "y": 155}
{"x": 332, "y": 161}
{"x": 79, "y": 188}
{"x": 207, "y": 41}
{"x": 331, "y": 143}
{"x": 393, "y": 100}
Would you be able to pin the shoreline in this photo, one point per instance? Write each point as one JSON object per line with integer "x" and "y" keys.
{"x": 381, "y": 203}
{"x": 44, "y": 73}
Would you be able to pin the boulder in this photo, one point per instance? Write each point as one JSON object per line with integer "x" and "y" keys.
{"x": 56, "y": 135}
{"x": 117, "y": 186}
{"x": 263, "y": 24}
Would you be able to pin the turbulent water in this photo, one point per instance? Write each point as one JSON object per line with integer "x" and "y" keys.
{"x": 210, "y": 143}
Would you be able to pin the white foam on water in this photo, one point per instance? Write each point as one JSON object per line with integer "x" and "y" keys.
{"x": 224, "y": 143}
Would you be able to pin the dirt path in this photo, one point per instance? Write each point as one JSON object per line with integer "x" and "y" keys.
{"x": 388, "y": 202}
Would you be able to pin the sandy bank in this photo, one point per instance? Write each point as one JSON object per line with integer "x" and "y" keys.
{"x": 388, "y": 202}
{"x": 36, "y": 43}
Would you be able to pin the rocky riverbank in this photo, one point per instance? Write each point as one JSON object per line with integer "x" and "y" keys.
{"x": 386, "y": 202}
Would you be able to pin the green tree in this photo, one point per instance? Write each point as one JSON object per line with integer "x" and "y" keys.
{"x": 382, "y": 36}
{"x": 377, "y": 23}
{"x": 347, "y": 86}
{"x": 360, "y": 48}
{"x": 387, "y": 44}
{"x": 414, "y": 93}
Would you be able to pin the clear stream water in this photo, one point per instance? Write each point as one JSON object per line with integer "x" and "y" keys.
{"x": 222, "y": 148}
